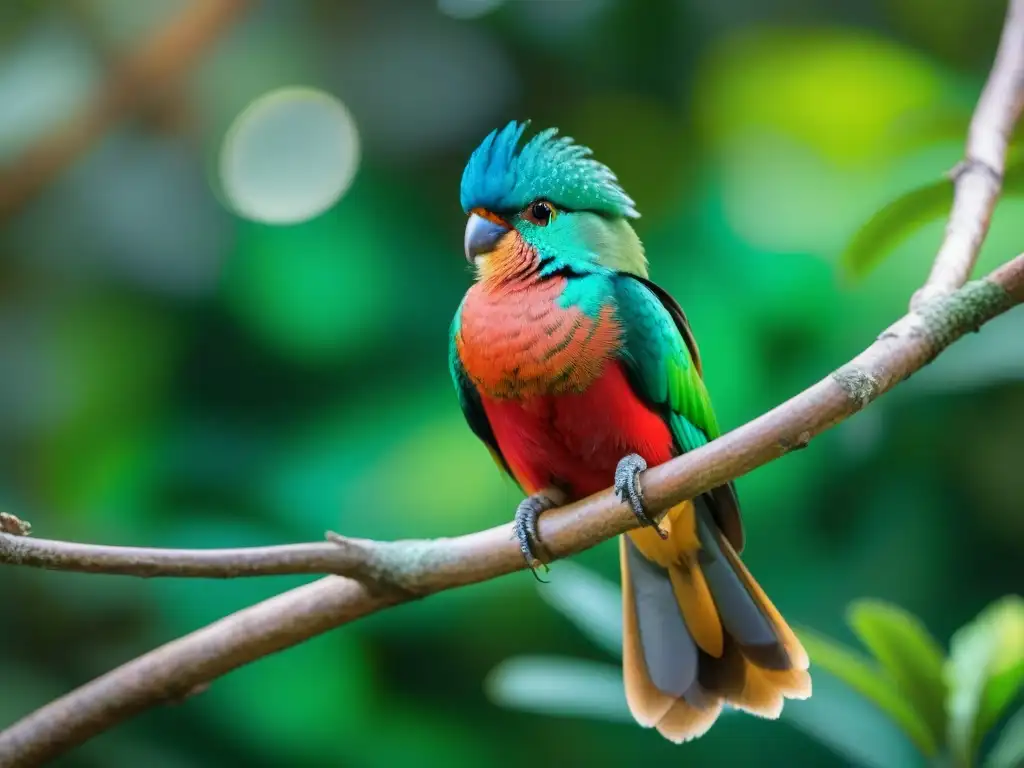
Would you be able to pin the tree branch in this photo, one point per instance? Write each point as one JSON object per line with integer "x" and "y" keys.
{"x": 147, "y": 562}
{"x": 978, "y": 178}
{"x": 394, "y": 572}
{"x": 159, "y": 60}
{"x": 387, "y": 573}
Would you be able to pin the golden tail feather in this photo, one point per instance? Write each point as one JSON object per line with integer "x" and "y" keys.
{"x": 699, "y": 632}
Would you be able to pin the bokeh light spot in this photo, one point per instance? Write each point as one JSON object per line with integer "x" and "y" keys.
{"x": 289, "y": 156}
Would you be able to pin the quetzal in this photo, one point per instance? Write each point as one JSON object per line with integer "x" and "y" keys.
{"x": 578, "y": 372}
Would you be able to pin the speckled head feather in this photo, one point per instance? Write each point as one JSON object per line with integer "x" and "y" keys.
{"x": 501, "y": 178}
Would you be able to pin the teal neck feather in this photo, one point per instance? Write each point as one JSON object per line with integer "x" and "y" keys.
{"x": 587, "y": 243}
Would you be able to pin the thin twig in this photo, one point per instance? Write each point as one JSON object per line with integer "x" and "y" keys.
{"x": 978, "y": 178}
{"x": 392, "y": 572}
{"x": 158, "y": 62}
{"x": 147, "y": 562}
{"x": 395, "y": 572}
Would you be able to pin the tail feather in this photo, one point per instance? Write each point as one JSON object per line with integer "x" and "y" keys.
{"x": 794, "y": 648}
{"x": 685, "y": 722}
{"x": 756, "y": 694}
{"x": 742, "y": 614}
{"x": 647, "y": 703}
{"x": 698, "y": 606}
{"x": 668, "y": 649}
{"x": 699, "y": 632}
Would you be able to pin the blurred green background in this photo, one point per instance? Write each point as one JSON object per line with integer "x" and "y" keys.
{"x": 180, "y": 368}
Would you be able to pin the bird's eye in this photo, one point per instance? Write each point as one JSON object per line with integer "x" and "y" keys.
{"x": 539, "y": 212}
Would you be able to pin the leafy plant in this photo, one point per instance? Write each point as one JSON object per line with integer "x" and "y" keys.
{"x": 905, "y": 677}
{"x": 986, "y": 675}
{"x": 902, "y": 703}
{"x": 897, "y": 220}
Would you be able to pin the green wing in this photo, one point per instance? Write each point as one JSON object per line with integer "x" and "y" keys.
{"x": 664, "y": 367}
{"x": 469, "y": 397}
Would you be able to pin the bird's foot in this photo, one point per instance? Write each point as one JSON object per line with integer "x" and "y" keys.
{"x": 627, "y": 485}
{"x": 525, "y": 527}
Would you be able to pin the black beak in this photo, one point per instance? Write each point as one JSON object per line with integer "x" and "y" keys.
{"x": 482, "y": 236}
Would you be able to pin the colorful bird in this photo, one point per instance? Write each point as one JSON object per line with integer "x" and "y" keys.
{"x": 578, "y": 372}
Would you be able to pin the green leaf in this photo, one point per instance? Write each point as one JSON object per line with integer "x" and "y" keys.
{"x": 553, "y": 685}
{"x": 894, "y": 223}
{"x": 592, "y": 603}
{"x": 900, "y": 218}
{"x": 863, "y": 676}
{"x": 852, "y": 727}
{"x": 1003, "y": 687}
{"x": 1008, "y": 752}
{"x": 908, "y": 654}
{"x": 985, "y": 671}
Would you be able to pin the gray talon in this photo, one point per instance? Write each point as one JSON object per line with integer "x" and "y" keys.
{"x": 627, "y": 486}
{"x": 525, "y": 527}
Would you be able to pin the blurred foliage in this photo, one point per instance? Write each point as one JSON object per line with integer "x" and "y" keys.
{"x": 171, "y": 373}
{"x": 944, "y": 707}
{"x": 878, "y": 685}
{"x": 986, "y": 672}
{"x": 898, "y": 219}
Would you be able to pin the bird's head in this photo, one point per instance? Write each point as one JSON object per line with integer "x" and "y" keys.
{"x": 546, "y": 206}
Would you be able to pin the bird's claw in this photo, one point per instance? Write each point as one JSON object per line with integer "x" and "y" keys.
{"x": 525, "y": 527}
{"x": 627, "y": 486}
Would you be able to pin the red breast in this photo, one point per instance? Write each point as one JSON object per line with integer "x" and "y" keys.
{"x": 517, "y": 342}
